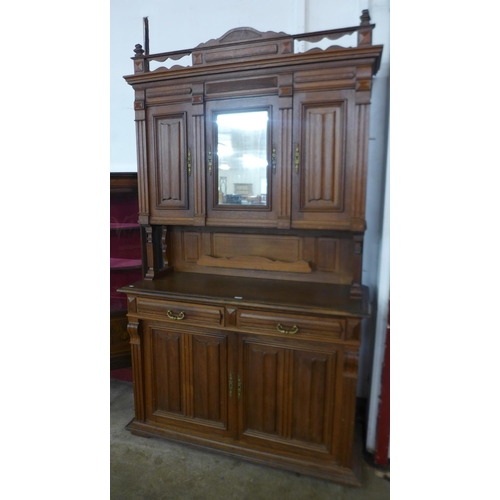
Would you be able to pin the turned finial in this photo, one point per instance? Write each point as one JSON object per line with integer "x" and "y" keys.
{"x": 139, "y": 51}
{"x": 365, "y": 17}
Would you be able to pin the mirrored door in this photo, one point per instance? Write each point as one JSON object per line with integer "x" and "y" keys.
{"x": 242, "y": 140}
{"x": 242, "y": 158}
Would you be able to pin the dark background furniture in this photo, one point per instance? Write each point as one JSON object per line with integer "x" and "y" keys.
{"x": 125, "y": 260}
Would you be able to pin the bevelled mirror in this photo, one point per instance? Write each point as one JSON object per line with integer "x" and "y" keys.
{"x": 242, "y": 158}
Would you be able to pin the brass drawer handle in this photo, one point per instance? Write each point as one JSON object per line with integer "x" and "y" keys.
{"x": 293, "y": 331}
{"x": 177, "y": 317}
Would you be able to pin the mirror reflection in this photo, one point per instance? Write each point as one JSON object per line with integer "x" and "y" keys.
{"x": 242, "y": 158}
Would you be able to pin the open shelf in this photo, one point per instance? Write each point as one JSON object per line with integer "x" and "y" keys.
{"x": 123, "y": 264}
{"x": 125, "y": 260}
{"x": 124, "y": 225}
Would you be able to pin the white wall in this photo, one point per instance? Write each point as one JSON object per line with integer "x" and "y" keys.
{"x": 375, "y": 190}
{"x": 177, "y": 25}
{"x": 378, "y": 333}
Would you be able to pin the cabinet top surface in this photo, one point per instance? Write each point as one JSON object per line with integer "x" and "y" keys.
{"x": 306, "y": 297}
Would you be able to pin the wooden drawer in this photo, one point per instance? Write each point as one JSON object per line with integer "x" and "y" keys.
{"x": 182, "y": 312}
{"x": 290, "y": 324}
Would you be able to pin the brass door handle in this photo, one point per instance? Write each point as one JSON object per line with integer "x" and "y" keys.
{"x": 293, "y": 331}
{"x": 297, "y": 158}
{"x": 177, "y": 317}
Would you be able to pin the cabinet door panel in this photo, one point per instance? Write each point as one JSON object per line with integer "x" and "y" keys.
{"x": 167, "y": 375}
{"x": 264, "y": 369}
{"x": 170, "y": 168}
{"x": 313, "y": 374}
{"x": 288, "y": 395}
{"x": 170, "y": 163}
{"x": 322, "y": 142}
{"x": 209, "y": 377}
{"x": 186, "y": 378}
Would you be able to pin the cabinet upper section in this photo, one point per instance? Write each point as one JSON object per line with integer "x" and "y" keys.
{"x": 241, "y": 48}
{"x": 256, "y": 130}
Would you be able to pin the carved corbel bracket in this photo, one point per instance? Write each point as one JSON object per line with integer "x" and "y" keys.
{"x": 133, "y": 331}
{"x": 157, "y": 252}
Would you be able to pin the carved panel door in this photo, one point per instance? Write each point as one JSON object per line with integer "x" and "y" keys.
{"x": 287, "y": 393}
{"x": 322, "y": 148}
{"x": 171, "y": 163}
{"x": 186, "y": 378}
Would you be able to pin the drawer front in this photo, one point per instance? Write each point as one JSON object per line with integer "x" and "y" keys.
{"x": 290, "y": 324}
{"x": 181, "y": 312}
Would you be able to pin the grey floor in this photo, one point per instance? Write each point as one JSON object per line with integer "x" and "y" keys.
{"x": 156, "y": 469}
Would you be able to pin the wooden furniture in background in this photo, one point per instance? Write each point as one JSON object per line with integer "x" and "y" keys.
{"x": 125, "y": 260}
{"x": 245, "y": 329}
{"x": 384, "y": 411}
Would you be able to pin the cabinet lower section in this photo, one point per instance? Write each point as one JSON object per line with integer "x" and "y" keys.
{"x": 267, "y": 380}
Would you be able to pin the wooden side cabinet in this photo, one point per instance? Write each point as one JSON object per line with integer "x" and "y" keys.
{"x": 245, "y": 327}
